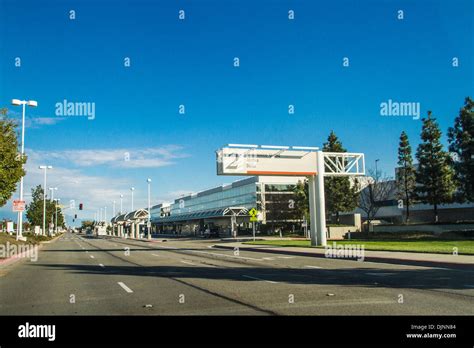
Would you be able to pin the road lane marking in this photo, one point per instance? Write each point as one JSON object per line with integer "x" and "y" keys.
{"x": 188, "y": 263}
{"x": 92, "y": 256}
{"x": 263, "y": 280}
{"x": 379, "y": 274}
{"x": 234, "y": 256}
{"x": 268, "y": 258}
{"x": 286, "y": 257}
{"x": 156, "y": 255}
{"x": 101, "y": 265}
{"x": 309, "y": 266}
{"x": 126, "y": 288}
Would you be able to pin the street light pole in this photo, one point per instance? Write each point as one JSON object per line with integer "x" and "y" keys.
{"x": 45, "y": 168}
{"x": 121, "y": 206}
{"x": 149, "y": 209}
{"x": 56, "y": 223}
{"x": 113, "y": 209}
{"x": 31, "y": 103}
{"x": 132, "y": 189}
{"x": 51, "y": 199}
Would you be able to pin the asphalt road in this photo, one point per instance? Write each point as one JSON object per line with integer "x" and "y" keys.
{"x": 98, "y": 276}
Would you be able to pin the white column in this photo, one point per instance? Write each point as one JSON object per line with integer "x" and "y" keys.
{"x": 320, "y": 201}
{"x": 312, "y": 209}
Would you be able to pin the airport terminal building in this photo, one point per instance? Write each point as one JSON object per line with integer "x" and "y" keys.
{"x": 225, "y": 209}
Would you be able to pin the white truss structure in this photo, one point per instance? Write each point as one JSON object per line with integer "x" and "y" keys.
{"x": 343, "y": 164}
{"x": 238, "y": 159}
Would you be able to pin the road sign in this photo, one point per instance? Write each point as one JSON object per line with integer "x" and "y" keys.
{"x": 18, "y": 205}
{"x": 265, "y": 161}
{"x": 253, "y": 214}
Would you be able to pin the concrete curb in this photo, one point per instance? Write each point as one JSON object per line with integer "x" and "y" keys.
{"x": 393, "y": 260}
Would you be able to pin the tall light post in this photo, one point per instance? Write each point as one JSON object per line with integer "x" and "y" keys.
{"x": 113, "y": 208}
{"x": 101, "y": 219}
{"x": 105, "y": 215}
{"x": 32, "y": 103}
{"x": 56, "y": 211}
{"x": 45, "y": 168}
{"x": 121, "y": 204}
{"x": 51, "y": 198}
{"x": 149, "y": 209}
{"x": 132, "y": 189}
{"x": 376, "y": 171}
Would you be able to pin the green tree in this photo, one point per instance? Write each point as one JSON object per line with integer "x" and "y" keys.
{"x": 301, "y": 196}
{"x": 341, "y": 195}
{"x": 434, "y": 175}
{"x": 34, "y": 210}
{"x": 461, "y": 143}
{"x": 405, "y": 174}
{"x": 11, "y": 162}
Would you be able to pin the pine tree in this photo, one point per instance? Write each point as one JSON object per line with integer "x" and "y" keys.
{"x": 434, "y": 175}
{"x": 461, "y": 143}
{"x": 405, "y": 174}
{"x": 341, "y": 196}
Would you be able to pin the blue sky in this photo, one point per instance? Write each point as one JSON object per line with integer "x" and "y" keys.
{"x": 190, "y": 62}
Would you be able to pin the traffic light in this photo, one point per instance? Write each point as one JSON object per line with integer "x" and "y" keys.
{"x": 80, "y": 206}
{"x": 75, "y": 216}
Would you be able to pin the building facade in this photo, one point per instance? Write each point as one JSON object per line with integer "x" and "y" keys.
{"x": 224, "y": 210}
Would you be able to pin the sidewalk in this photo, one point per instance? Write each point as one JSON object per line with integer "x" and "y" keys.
{"x": 395, "y": 257}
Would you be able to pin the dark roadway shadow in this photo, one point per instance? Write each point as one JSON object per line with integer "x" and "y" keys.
{"x": 416, "y": 279}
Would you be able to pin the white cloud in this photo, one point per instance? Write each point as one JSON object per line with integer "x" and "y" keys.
{"x": 120, "y": 158}
{"x": 70, "y": 175}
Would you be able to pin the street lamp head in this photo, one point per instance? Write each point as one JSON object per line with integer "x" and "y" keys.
{"x": 32, "y": 103}
{"x": 132, "y": 188}
{"x": 148, "y": 180}
{"x": 16, "y": 102}
{"x": 121, "y": 196}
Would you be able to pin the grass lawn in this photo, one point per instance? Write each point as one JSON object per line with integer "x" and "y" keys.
{"x": 465, "y": 247}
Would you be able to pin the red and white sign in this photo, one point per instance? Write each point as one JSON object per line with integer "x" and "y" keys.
{"x": 18, "y": 205}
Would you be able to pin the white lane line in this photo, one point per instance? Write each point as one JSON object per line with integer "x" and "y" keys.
{"x": 101, "y": 265}
{"x": 92, "y": 256}
{"x": 379, "y": 274}
{"x": 234, "y": 256}
{"x": 268, "y": 258}
{"x": 286, "y": 257}
{"x": 188, "y": 263}
{"x": 156, "y": 255}
{"x": 165, "y": 247}
{"x": 309, "y": 266}
{"x": 126, "y": 288}
{"x": 255, "y": 278}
